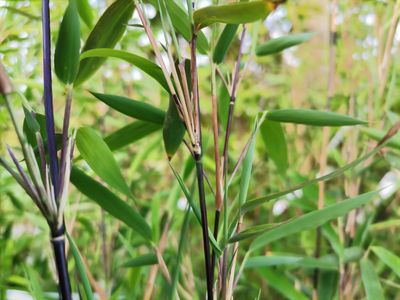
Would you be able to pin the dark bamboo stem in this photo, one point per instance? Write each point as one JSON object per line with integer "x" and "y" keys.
{"x": 199, "y": 166}
{"x": 48, "y": 95}
{"x": 204, "y": 223}
{"x": 58, "y": 242}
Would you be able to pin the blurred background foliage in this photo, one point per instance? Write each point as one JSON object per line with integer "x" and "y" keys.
{"x": 296, "y": 78}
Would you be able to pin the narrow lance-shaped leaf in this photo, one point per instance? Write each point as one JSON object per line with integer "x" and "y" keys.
{"x": 66, "y": 57}
{"x": 312, "y": 220}
{"x": 173, "y": 130}
{"x": 388, "y": 258}
{"x": 275, "y": 142}
{"x": 253, "y": 203}
{"x": 234, "y": 13}
{"x": 110, "y": 202}
{"x": 370, "y": 279}
{"x": 143, "y": 64}
{"x": 100, "y": 158}
{"x": 312, "y": 117}
{"x": 129, "y": 134}
{"x": 135, "y": 109}
{"x": 224, "y": 42}
{"x": 279, "y": 44}
{"x": 105, "y": 34}
{"x": 81, "y": 269}
{"x": 247, "y": 168}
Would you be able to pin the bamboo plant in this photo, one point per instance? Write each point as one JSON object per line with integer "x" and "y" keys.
{"x": 188, "y": 32}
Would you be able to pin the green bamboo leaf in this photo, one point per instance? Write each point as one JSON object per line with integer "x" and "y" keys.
{"x": 370, "y": 279}
{"x": 143, "y": 64}
{"x": 312, "y": 220}
{"x": 224, "y": 42}
{"x": 281, "y": 284}
{"x": 327, "y": 262}
{"x": 140, "y": 261}
{"x": 253, "y": 203}
{"x": 279, "y": 44}
{"x": 181, "y": 23}
{"x": 86, "y": 12}
{"x": 110, "y": 202}
{"x": 275, "y": 142}
{"x": 233, "y": 13}
{"x": 388, "y": 258}
{"x": 130, "y": 133}
{"x": 291, "y": 261}
{"x": 66, "y": 56}
{"x": 247, "y": 168}
{"x": 81, "y": 269}
{"x": 173, "y": 130}
{"x": 312, "y": 117}
{"x": 223, "y": 103}
{"x": 100, "y": 158}
{"x": 135, "y": 109}
{"x": 105, "y": 34}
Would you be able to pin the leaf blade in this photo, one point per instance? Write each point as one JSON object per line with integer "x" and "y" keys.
{"x": 277, "y": 45}
{"x": 233, "y": 13}
{"x": 132, "y": 108}
{"x": 105, "y": 34}
{"x": 66, "y": 56}
{"x": 312, "y": 117}
{"x": 311, "y": 220}
{"x": 100, "y": 158}
{"x": 110, "y": 202}
{"x": 142, "y": 63}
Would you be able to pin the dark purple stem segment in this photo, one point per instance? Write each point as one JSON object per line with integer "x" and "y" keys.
{"x": 48, "y": 95}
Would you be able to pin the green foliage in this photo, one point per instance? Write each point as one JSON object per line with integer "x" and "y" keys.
{"x": 145, "y": 65}
{"x": 105, "y": 34}
{"x": 100, "y": 158}
{"x": 274, "y": 139}
{"x": 66, "y": 57}
{"x": 312, "y": 117}
{"x": 110, "y": 203}
{"x": 234, "y": 13}
{"x": 370, "y": 279}
{"x": 133, "y": 108}
{"x": 311, "y": 220}
{"x": 81, "y": 269}
{"x": 173, "y": 130}
{"x": 279, "y": 44}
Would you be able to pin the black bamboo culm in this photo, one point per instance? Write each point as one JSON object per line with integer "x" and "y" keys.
{"x": 58, "y": 242}
{"x": 216, "y": 228}
{"x": 204, "y": 223}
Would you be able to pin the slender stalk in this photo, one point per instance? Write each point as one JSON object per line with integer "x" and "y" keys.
{"x": 204, "y": 223}
{"x": 199, "y": 166}
{"x": 48, "y": 94}
{"x": 58, "y": 242}
{"x": 224, "y": 267}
